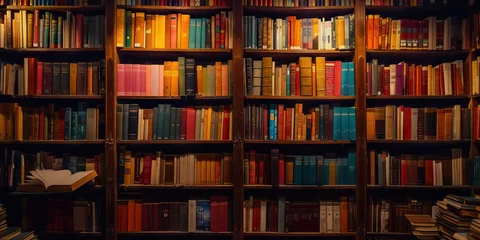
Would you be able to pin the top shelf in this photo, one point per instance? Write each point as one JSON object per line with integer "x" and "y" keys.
{"x": 81, "y": 9}
{"x": 302, "y": 11}
{"x": 170, "y": 9}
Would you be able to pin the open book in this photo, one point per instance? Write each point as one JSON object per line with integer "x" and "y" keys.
{"x": 55, "y": 181}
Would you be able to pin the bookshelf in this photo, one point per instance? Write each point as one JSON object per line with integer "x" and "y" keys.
{"x": 239, "y": 144}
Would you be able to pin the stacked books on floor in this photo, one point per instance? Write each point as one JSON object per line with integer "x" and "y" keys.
{"x": 183, "y": 3}
{"x": 175, "y": 78}
{"x": 56, "y": 181}
{"x": 411, "y": 169}
{"x": 277, "y": 122}
{"x": 26, "y": 29}
{"x": 428, "y": 34}
{"x": 291, "y": 33}
{"x": 174, "y": 31}
{"x": 474, "y": 233}
{"x": 18, "y": 165}
{"x": 174, "y": 123}
{"x": 52, "y": 78}
{"x": 306, "y": 78}
{"x": 456, "y": 215}
{"x": 423, "y": 226}
{"x": 415, "y": 80}
{"x": 177, "y": 170}
{"x": 47, "y": 123}
{"x": 300, "y": 3}
{"x": 212, "y": 215}
{"x": 12, "y": 232}
{"x": 279, "y": 169}
{"x": 54, "y": 3}
{"x": 407, "y": 123}
{"x": 262, "y": 215}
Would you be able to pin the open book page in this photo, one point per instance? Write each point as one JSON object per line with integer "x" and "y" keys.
{"x": 50, "y": 177}
{"x": 70, "y": 180}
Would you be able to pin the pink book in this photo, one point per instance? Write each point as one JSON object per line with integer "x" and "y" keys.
{"x": 128, "y": 80}
{"x": 160, "y": 80}
{"x": 137, "y": 79}
{"x": 40, "y": 79}
{"x": 120, "y": 79}
{"x": 148, "y": 77}
{"x": 190, "y": 123}
{"x": 173, "y": 30}
{"x": 224, "y": 80}
{"x": 338, "y": 78}
{"x": 154, "y": 80}
{"x": 329, "y": 78}
{"x": 143, "y": 80}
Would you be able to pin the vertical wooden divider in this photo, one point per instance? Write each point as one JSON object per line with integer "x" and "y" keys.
{"x": 110, "y": 108}
{"x": 238, "y": 124}
{"x": 360, "y": 105}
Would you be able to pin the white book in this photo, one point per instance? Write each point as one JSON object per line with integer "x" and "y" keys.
{"x": 321, "y": 37}
{"x": 398, "y": 34}
{"x": 393, "y": 68}
{"x": 447, "y": 77}
{"x": 336, "y": 217}
{"x": 329, "y": 217}
{"x": 328, "y": 35}
{"x": 323, "y": 217}
{"x": 263, "y": 216}
{"x": 414, "y": 123}
{"x": 160, "y": 80}
{"x": 192, "y": 215}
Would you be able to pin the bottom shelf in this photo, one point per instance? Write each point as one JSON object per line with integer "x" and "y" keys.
{"x": 299, "y": 234}
{"x": 71, "y": 234}
{"x": 170, "y": 233}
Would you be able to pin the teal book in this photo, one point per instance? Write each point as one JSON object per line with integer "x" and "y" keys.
{"x": 319, "y": 169}
{"x": 46, "y": 32}
{"x": 82, "y": 121}
{"x": 68, "y": 123}
{"x": 344, "y": 123}
{"x": 271, "y": 124}
{"x": 160, "y": 120}
{"x": 312, "y": 170}
{"x": 326, "y": 171}
{"x": 297, "y": 170}
{"x": 305, "y": 170}
{"x": 192, "y": 37}
{"x": 351, "y": 79}
{"x": 181, "y": 76}
{"x": 128, "y": 29}
{"x": 338, "y": 171}
{"x": 154, "y": 123}
{"x": 201, "y": 32}
{"x": 337, "y": 133}
{"x": 281, "y": 214}
{"x": 74, "y": 126}
{"x": 352, "y": 127}
{"x": 166, "y": 122}
{"x": 288, "y": 80}
{"x": 351, "y": 168}
{"x": 344, "y": 79}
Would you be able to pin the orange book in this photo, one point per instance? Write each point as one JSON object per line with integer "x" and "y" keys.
{"x": 148, "y": 91}
{"x": 208, "y": 123}
{"x": 120, "y": 27}
{"x": 370, "y": 32}
{"x": 149, "y": 31}
{"x": 212, "y": 169}
{"x": 131, "y": 216}
{"x": 343, "y": 215}
{"x": 218, "y": 79}
{"x": 132, "y": 33}
{"x": 138, "y": 217}
{"x": 167, "y": 31}
{"x": 173, "y": 31}
{"x": 73, "y": 79}
{"x": 224, "y": 80}
{"x": 199, "y": 79}
{"x": 207, "y": 170}
{"x": 185, "y": 31}
{"x": 291, "y": 30}
{"x": 167, "y": 79}
{"x": 212, "y": 30}
{"x": 179, "y": 30}
{"x": 89, "y": 79}
{"x": 203, "y": 172}
{"x": 198, "y": 180}
{"x": 298, "y": 34}
{"x": 174, "y": 81}
{"x": 139, "y": 30}
{"x": 376, "y": 30}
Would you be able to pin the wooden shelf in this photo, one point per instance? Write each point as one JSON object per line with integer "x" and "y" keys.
{"x": 172, "y": 233}
{"x": 54, "y": 50}
{"x": 304, "y": 187}
{"x": 299, "y": 234}
{"x": 55, "y": 97}
{"x": 167, "y": 98}
{"x": 296, "y": 53}
{"x": 162, "y": 52}
{"x": 53, "y": 142}
{"x": 418, "y": 187}
{"x": 391, "y": 234}
{"x": 82, "y": 191}
{"x": 77, "y": 9}
{"x": 172, "y": 142}
{"x": 201, "y": 10}
{"x": 292, "y": 11}
{"x": 302, "y": 98}
{"x": 409, "y": 54}
{"x": 139, "y": 187}
{"x": 71, "y": 234}
{"x": 288, "y": 142}
{"x": 383, "y": 141}
{"x": 409, "y": 97}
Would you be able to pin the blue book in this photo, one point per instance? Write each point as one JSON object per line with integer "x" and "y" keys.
{"x": 271, "y": 124}
{"x": 297, "y": 170}
{"x": 351, "y": 168}
{"x": 337, "y": 134}
{"x": 338, "y": 171}
{"x": 192, "y": 37}
{"x": 305, "y": 170}
{"x": 206, "y": 215}
{"x": 160, "y": 119}
{"x": 344, "y": 123}
{"x": 202, "y": 25}
{"x": 154, "y": 123}
{"x": 245, "y": 29}
{"x": 288, "y": 80}
{"x": 351, "y": 80}
{"x": 126, "y": 109}
{"x": 326, "y": 171}
{"x": 312, "y": 170}
{"x": 74, "y": 126}
{"x": 352, "y": 127}
{"x": 82, "y": 121}
{"x": 344, "y": 79}
{"x": 275, "y": 124}
{"x": 68, "y": 123}
{"x": 254, "y": 33}
{"x": 166, "y": 122}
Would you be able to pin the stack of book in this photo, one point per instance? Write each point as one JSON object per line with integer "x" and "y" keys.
{"x": 193, "y": 216}
{"x": 52, "y": 78}
{"x": 12, "y": 232}
{"x": 294, "y": 34}
{"x": 185, "y": 3}
{"x": 176, "y": 170}
{"x": 300, "y": 3}
{"x": 174, "y": 31}
{"x": 474, "y": 230}
{"x": 261, "y": 215}
{"x": 407, "y": 123}
{"x": 175, "y": 78}
{"x": 24, "y": 29}
{"x": 306, "y": 78}
{"x": 423, "y": 226}
{"x": 415, "y": 80}
{"x": 279, "y": 169}
{"x": 428, "y": 34}
{"x": 456, "y": 215}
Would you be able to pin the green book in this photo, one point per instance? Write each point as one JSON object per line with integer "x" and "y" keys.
{"x": 192, "y": 37}
{"x": 326, "y": 171}
{"x": 46, "y": 33}
{"x": 160, "y": 119}
{"x": 128, "y": 29}
{"x": 199, "y": 33}
{"x": 181, "y": 76}
{"x": 166, "y": 122}
{"x": 297, "y": 170}
{"x": 305, "y": 170}
{"x": 338, "y": 171}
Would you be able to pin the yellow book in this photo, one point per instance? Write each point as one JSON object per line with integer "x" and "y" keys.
{"x": 209, "y": 123}
{"x": 332, "y": 173}
{"x": 128, "y": 176}
{"x": 179, "y": 30}
{"x": 139, "y": 30}
{"x": 133, "y": 29}
{"x": 199, "y": 79}
{"x": 185, "y": 30}
{"x": 306, "y": 86}
{"x": 160, "y": 38}
{"x": 340, "y": 29}
{"x": 475, "y": 84}
{"x": 174, "y": 82}
{"x": 208, "y": 170}
{"x": 298, "y": 32}
{"x": 204, "y": 81}
{"x": 120, "y": 27}
{"x": 393, "y": 34}
{"x": 154, "y": 28}
{"x": 320, "y": 78}
{"x": 203, "y": 172}
{"x": 218, "y": 79}
{"x": 148, "y": 31}
{"x": 212, "y": 170}
{"x": 73, "y": 79}
{"x": 167, "y": 79}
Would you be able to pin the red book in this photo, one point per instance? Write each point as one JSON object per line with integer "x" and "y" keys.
{"x": 138, "y": 217}
{"x": 386, "y": 81}
{"x": 191, "y": 124}
{"x": 429, "y": 172}
{"x": 252, "y": 169}
{"x": 156, "y": 217}
{"x": 61, "y": 122}
{"x": 418, "y": 80}
{"x": 455, "y": 79}
{"x": 68, "y": 211}
{"x": 216, "y": 214}
{"x": 410, "y": 89}
{"x": 256, "y": 215}
{"x": 134, "y": 80}
{"x": 35, "y": 28}
{"x": 145, "y": 217}
{"x": 119, "y": 218}
{"x": 120, "y": 79}
{"x": 223, "y": 21}
{"x": 281, "y": 169}
{"x": 79, "y": 32}
{"x": 297, "y": 79}
{"x": 226, "y": 123}
{"x": 403, "y": 172}
{"x": 31, "y": 75}
{"x": 281, "y": 126}
{"x": 442, "y": 81}
{"x": 224, "y": 213}
{"x": 147, "y": 169}
{"x": 183, "y": 127}
{"x": 407, "y": 123}
{"x": 330, "y": 78}
{"x": 217, "y": 31}
{"x": 270, "y": 3}
{"x": 143, "y": 80}
{"x": 288, "y": 124}
{"x": 39, "y": 76}
{"x": 139, "y": 81}
{"x": 424, "y": 81}
{"x": 293, "y": 82}
{"x": 218, "y": 171}
{"x": 403, "y": 33}
{"x": 128, "y": 84}
{"x": 338, "y": 78}
{"x": 261, "y": 170}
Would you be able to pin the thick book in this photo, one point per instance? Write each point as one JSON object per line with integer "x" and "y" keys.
{"x": 56, "y": 181}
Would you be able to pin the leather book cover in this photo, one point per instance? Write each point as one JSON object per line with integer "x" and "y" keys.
{"x": 440, "y": 126}
{"x": 227, "y": 169}
{"x": 174, "y": 216}
{"x": 407, "y": 123}
{"x": 289, "y": 169}
{"x": 274, "y": 161}
{"x": 165, "y": 216}
{"x": 95, "y": 78}
{"x": 252, "y": 165}
{"x": 169, "y": 170}
{"x": 47, "y": 78}
{"x": 380, "y": 122}
{"x": 56, "y": 78}
{"x": 131, "y": 216}
{"x": 64, "y": 78}
{"x": 267, "y": 72}
{"x": 156, "y": 217}
{"x": 82, "y": 78}
{"x": 139, "y": 30}
{"x": 448, "y": 124}
{"x": 145, "y": 216}
{"x": 260, "y": 174}
{"x": 305, "y": 76}
{"x": 133, "y": 121}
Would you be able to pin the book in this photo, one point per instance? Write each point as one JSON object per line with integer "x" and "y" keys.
{"x": 190, "y": 3}
{"x": 316, "y": 3}
{"x": 56, "y": 181}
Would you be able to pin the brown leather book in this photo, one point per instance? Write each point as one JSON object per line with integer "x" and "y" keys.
{"x": 389, "y": 122}
{"x": 333, "y": 172}
{"x": 448, "y": 123}
{"x": 441, "y": 135}
{"x": 343, "y": 215}
{"x": 267, "y": 73}
{"x": 145, "y": 216}
{"x": 148, "y": 116}
{"x": 227, "y": 168}
{"x": 306, "y": 76}
{"x": 371, "y": 123}
{"x": 164, "y": 216}
{"x": 139, "y": 30}
{"x": 289, "y": 165}
{"x": 149, "y": 37}
{"x": 169, "y": 170}
{"x": 131, "y": 216}
{"x": 421, "y": 124}
{"x": 380, "y": 123}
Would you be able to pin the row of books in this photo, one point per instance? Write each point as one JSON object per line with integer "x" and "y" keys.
{"x": 418, "y": 80}
{"x": 177, "y": 78}
{"x": 428, "y": 34}
{"x": 193, "y": 216}
{"x": 456, "y": 215}
{"x": 409, "y": 169}
{"x": 52, "y": 2}
{"x": 280, "y": 169}
{"x": 277, "y": 122}
{"x": 412, "y": 3}
{"x": 261, "y": 215}
{"x": 292, "y": 33}
{"x": 73, "y": 216}
{"x": 306, "y": 78}
{"x": 184, "y": 3}
{"x": 16, "y": 165}
{"x": 47, "y": 123}
{"x": 52, "y": 78}
{"x": 407, "y": 123}
{"x": 25, "y": 29}
{"x": 143, "y": 30}
{"x": 179, "y": 170}
{"x": 173, "y": 123}
{"x": 297, "y": 3}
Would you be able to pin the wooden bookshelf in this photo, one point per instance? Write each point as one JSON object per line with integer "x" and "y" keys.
{"x": 52, "y": 142}
{"x": 418, "y": 54}
{"x": 407, "y": 97}
{"x": 54, "y": 97}
{"x": 173, "y": 142}
{"x": 54, "y": 50}
{"x": 297, "y": 53}
{"x": 76, "y": 9}
{"x": 132, "y": 235}
{"x": 419, "y": 187}
{"x": 183, "y": 98}
{"x": 390, "y": 234}
{"x": 384, "y": 141}
{"x": 139, "y": 187}
{"x": 323, "y": 11}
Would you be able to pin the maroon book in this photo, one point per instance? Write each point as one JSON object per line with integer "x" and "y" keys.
{"x": 215, "y": 214}
{"x": 145, "y": 214}
{"x": 156, "y": 217}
